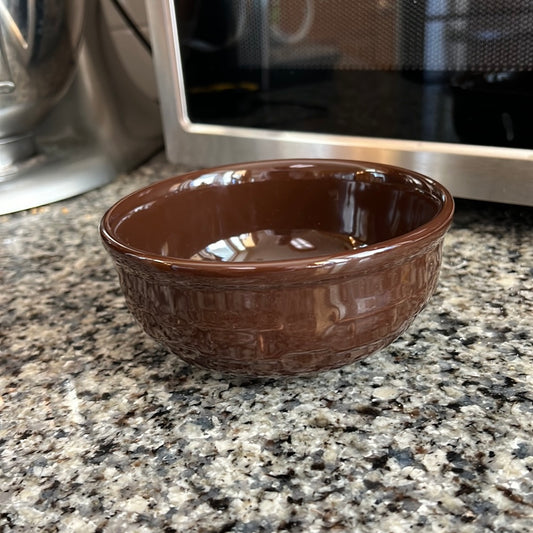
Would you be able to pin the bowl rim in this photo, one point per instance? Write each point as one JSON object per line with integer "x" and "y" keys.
{"x": 426, "y": 233}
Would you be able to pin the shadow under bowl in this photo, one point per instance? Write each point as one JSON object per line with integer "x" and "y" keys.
{"x": 283, "y": 267}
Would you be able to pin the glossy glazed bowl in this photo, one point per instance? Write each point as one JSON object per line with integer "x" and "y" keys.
{"x": 282, "y": 267}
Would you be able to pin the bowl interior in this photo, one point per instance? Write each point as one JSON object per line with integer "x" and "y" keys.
{"x": 274, "y": 211}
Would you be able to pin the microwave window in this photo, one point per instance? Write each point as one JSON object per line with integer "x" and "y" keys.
{"x": 433, "y": 70}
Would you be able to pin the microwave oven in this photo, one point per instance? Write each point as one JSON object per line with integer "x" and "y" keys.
{"x": 443, "y": 87}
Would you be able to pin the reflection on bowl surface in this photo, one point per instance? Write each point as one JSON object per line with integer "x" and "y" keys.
{"x": 268, "y": 245}
{"x": 279, "y": 267}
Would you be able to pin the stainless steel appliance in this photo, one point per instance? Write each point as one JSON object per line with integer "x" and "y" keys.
{"x": 75, "y": 99}
{"x": 444, "y": 87}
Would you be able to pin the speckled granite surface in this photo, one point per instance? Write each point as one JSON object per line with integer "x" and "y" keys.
{"x": 102, "y": 430}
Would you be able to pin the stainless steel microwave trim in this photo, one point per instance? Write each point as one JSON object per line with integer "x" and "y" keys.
{"x": 475, "y": 172}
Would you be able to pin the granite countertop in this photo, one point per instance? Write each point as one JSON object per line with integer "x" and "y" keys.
{"x": 102, "y": 430}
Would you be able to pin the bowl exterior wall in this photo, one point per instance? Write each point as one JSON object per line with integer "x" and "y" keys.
{"x": 265, "y": 329}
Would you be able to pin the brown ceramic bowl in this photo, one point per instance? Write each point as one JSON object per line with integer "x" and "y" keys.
{"x": 279, "y": 267}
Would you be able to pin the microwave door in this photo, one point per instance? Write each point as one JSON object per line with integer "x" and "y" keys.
{"x": 441, "y": 86}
